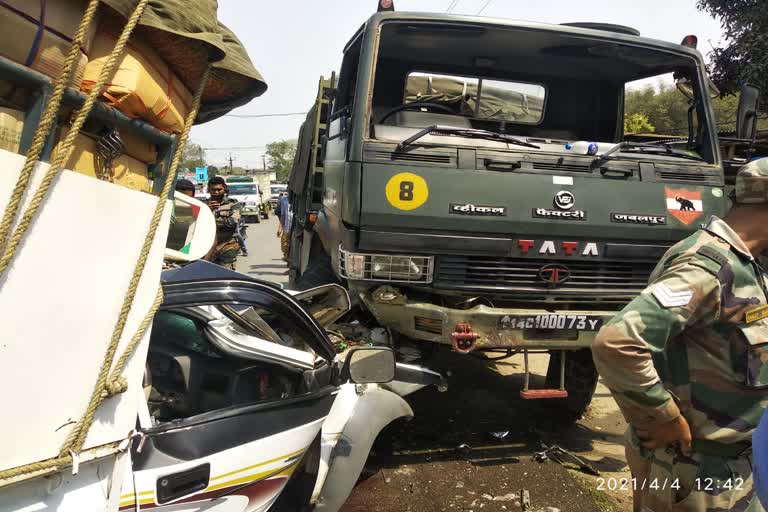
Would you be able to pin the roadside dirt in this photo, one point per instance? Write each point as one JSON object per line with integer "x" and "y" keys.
{"x": 453, "y": 457}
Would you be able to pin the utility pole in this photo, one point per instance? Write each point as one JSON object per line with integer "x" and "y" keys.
{"x": 230, "y": 163}
{"x": 264, "y": 162}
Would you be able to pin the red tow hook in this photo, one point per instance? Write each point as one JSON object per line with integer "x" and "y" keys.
{"x": 464, "y": 338}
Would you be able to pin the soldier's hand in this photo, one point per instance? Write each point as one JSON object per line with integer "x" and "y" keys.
{"x": 213, "y": 205}
{"x": 660, "y": 435}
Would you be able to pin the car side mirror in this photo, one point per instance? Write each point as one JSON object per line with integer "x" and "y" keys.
{"x": 746, "y": 115}
{"x": 369, "y": 365}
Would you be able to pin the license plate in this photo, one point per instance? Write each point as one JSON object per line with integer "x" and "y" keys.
{"x": 550, "y": 321}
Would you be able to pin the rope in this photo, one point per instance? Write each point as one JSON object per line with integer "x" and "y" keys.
{"x": 108, "y": 384}
{"x": 116, "y": 383}
{"x": 46, "y": 122}
{"x": 67, "y": 145}
{"x": 76, "y": 437}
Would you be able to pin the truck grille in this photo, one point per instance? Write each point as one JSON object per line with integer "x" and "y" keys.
{"x": 512, "y": 276}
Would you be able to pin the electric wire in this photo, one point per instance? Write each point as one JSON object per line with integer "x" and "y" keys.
{"x": 484, "y": 7}
{"x": 252, "y": 116}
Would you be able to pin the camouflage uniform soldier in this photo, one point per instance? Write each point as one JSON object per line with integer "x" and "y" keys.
{"x": 227, "y": 212}
{"x": 687, "y": 362}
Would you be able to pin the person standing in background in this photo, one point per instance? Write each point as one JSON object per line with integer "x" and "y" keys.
{"x": 227, "y": 213}
{"x": 186, "y": 187}
{"x": 285, "y": 214}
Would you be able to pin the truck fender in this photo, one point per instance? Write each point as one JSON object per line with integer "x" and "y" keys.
{"x": 374, "y": 410}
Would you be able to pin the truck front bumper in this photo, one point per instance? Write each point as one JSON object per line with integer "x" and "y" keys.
{"x": 482, "y": 326}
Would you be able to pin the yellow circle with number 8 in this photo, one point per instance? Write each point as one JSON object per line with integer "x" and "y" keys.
{"x": 407, "y": 191}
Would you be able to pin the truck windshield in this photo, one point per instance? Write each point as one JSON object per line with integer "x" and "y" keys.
{"x": 554, "y": 89}
{"x": 241, "y": 190}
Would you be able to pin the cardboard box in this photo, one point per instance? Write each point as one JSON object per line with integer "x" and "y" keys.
{"x": 20, "y": 20}
{"x": 11, "y": 128}
{"x": 143, "y": 86}
{"x": 128, "y": 171}
{"x": 139, "y": 148}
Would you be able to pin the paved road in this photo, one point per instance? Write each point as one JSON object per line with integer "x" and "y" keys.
{"x": 420, "y": 468}
{"x": 264, "y": 260}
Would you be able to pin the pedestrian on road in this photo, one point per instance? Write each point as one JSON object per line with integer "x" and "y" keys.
{"x": 687, "y": 362}
{"x": 227, "y": 213}
{"x": 186, "y": 187}
{"x": 285, "y": 215}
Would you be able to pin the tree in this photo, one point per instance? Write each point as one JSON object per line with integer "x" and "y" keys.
{"x": 193, "y": 156}
{"x": 745, "y": 57}
{"x": 637, "y": 123}
{"x": 213, "y": 170}
{"x": 280, "y": 155}
{"x": 665, "y": 110}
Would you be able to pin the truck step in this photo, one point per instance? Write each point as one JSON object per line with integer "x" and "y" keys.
{"x": 536, "y": 394}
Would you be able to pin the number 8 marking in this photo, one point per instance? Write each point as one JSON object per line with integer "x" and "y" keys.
{"x": 406, "y": 191}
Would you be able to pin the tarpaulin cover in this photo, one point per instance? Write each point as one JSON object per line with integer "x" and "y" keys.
{"x": 298, "y": 178}
{"x": 187, "y": 34}
{"x": 497, "y": 103}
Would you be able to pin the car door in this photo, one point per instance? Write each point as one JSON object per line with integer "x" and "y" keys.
{"x": 239, "y": 381}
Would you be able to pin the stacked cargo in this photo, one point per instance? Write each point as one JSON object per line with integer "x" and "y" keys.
{"x": 152, "y": 82}
{"x": 87, "y": 247}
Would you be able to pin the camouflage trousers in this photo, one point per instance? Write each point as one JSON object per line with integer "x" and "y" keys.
{"x": 667, "y": 481}
{"x": 285, "y": 244}
{"x": 225, "y": 254}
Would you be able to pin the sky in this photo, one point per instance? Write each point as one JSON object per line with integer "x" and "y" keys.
{"x": 293, "y": 42}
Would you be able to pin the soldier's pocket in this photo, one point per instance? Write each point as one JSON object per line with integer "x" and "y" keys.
{"x": 754, "y": 365}
{"x": 712, "y": 483}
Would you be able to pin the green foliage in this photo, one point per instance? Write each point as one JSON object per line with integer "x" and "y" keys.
{"x": 664, "y": 110}
{"x": 193, "y": 156}
{"x": 280, "y": 155}
{"x": 637, "y": 123}
{"x": 745, "y": 56}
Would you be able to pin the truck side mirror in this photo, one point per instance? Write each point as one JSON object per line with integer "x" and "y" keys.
{"x": 746, "y": 115}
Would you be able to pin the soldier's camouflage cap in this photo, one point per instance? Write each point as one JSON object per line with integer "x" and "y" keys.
{"x": 752, "y": 183}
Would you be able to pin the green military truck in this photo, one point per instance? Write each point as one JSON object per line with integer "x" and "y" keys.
{"x": 470, "y": 181}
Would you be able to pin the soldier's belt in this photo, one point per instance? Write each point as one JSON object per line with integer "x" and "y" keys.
{"x": 716, "y": 449}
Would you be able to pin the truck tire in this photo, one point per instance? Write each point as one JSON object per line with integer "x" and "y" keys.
{"x": 580, "y": 381}
{"x": 319, "y": 272}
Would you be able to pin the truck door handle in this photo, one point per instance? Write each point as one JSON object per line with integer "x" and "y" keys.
{"x": 616, "y": 173}
{"x": 177, "y": 485}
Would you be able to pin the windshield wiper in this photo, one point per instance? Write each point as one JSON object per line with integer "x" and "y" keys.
{"x": 463, "y": 132}
{"x": 643, "y": 147}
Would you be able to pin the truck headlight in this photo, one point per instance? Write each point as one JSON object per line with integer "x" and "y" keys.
{"x": 386, "y": 267}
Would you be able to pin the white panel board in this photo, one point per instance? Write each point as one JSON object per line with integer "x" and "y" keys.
{"x": 59, "y": 302}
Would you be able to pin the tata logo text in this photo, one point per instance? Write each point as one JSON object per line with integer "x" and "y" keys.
{"x": 551, "y": 248}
